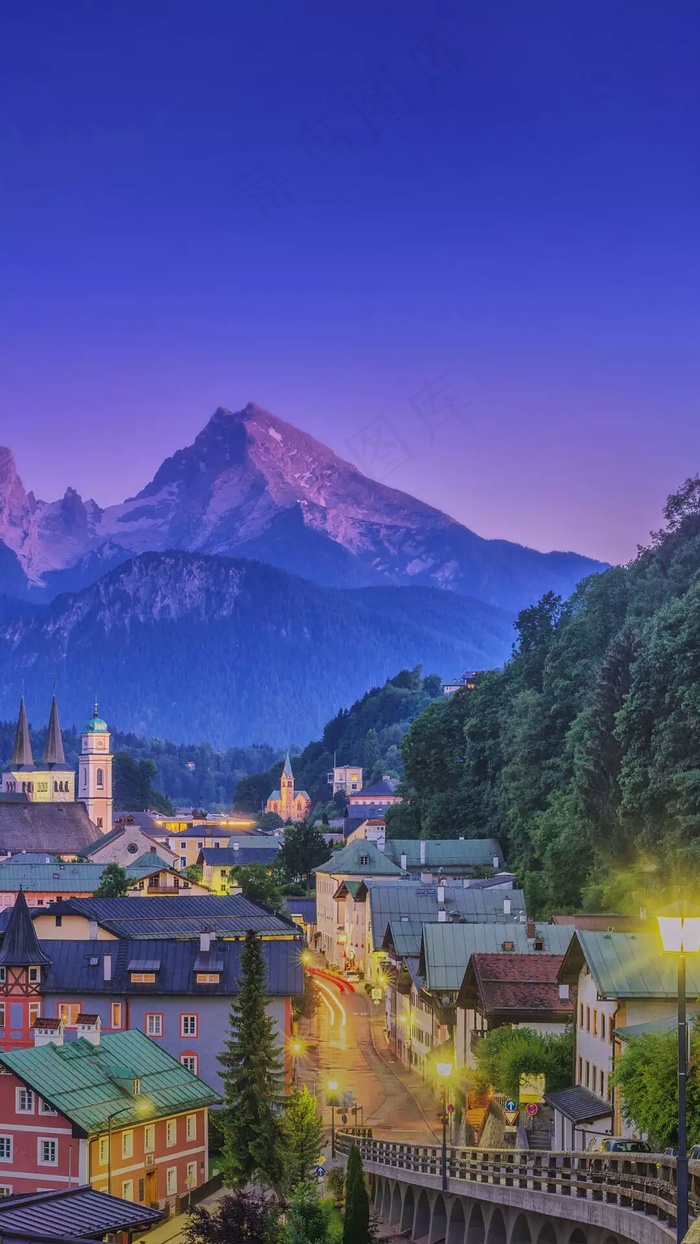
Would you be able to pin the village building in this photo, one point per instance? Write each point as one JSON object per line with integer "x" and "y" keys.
{"x": 347, "y": 778}
{"x": 339, "y": 930}
{"x": 125, "y": 843}
{"x": 291, "y": 805}
{"x": 373, "y": 800}
{"x": 69, "y": 1214}
{"x": 434, "y": 859}
{"x": 46, "y": 879}
{"x": 189, "y": 843}
{"x": 219, "y": 864}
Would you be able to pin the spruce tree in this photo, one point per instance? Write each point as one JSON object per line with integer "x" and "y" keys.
{"x": 303, "y": 1138}
{"x": 252, "y": 1076}
{"x": 308, "y": 1217}
{"x": 356, "y": 1227}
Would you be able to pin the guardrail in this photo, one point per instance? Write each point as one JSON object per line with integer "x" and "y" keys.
{"x": 644, "y": 1183}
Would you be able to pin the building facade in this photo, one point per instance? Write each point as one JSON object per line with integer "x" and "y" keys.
{"x": 95, "y": 772}
{"x": 347, "y": 778}
{"x": 291, "y": 805}
{"x": 51, "y": 781}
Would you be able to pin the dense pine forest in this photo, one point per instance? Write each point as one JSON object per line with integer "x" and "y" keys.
{"x": 583, "y": 753}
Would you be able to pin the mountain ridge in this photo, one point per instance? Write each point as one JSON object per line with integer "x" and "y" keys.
{"x": 252, "y": 484}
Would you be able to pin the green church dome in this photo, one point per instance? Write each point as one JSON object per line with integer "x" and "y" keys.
{"x": 96, "y": 724}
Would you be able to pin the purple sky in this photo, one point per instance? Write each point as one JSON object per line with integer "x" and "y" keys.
{"x": 502, "y": 195}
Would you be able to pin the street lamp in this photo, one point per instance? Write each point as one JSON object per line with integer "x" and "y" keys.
{"x": 444, "y": 1071}
{"x": 680, "y": 934}
{"x": 331, "y": 1098}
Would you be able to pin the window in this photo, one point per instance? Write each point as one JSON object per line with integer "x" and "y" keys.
{"x": 34, "y": 1012}
{"x": 183, "y": 861}
{"x": 127, "y": 1144}
{"x": 5, "y": 1190}
{"x": 24, "y": 1101}
{"x": 5, "y": 1148}
{"x": 59, "y": 921}
{"x": 154, "y": 1025}
{"x": 580, "y": 1015}
{"x": 200, "y": 845}
{"x": 149, "y": 1137}
{"x": 580, "y": 1069}
{"x": 364, "y": 860}
{"x": 142, "y": 1189}
{"x": 45, "y": 1107}
{"x": 171, "y": 1181}
{"x": 191, "y": 1179}
{"x": 602, "y": 1083}
{"x": 143, "y": 978}
{"x": 47, "y": 1151}
{"x": 2, "y": 1014}
{"x": 100, "y": 779}
{"x": 188, "y": 1025}
{"x": 102, "y": 1150}
{"x": 190, "y": 1062}
{"x": 127, "y": 1190}
{"x": 34, "y": 976}
{"x": 588, "y": 1074}
{"x": 191, "y": 1127}
{"x": 69, "y": 1012}
{"x": 183, "y": 846}
{"x": 207, "y": 978}
{"x": 595, "y": 1022}
{"x": 171, "y": 1133}
{"x": 588, "y": 1019}
{"x": 116, "y": 1015}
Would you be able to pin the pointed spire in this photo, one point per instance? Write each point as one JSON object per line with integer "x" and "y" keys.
{"x": 287, "y": 771}
{"x": 20, "y": 947}
{"x": 53, "y": 751}
{"x": 22, "y": 751}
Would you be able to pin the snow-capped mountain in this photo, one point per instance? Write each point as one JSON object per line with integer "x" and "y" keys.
{"x": 252, "y": 485}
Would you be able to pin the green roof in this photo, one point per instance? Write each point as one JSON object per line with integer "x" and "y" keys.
{"x": 96, "y": 725}
{"x": 405, "y": 936}
{"x": 84, "y": 876}
{"x": 88, "y": 1083}
{"x": 658, "y": 1026}
{"x": 350, "y": 861}
{"x": 628, "y": 965}
{"x": 447, "y": 948}
{"x": 445, "y": 852}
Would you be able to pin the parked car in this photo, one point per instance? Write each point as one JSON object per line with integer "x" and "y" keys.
{"x": 617, "y": 1144}
{"x": 672, "y": 1151}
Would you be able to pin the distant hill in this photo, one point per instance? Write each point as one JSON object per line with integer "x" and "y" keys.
{"x": 186, "y": 646}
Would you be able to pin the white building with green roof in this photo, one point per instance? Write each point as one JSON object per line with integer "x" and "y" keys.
{"x": 340, "y": 921}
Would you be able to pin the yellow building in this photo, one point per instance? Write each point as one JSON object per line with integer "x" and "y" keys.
{"x": 52, "y": 781}
{"x": 285, "y": 802}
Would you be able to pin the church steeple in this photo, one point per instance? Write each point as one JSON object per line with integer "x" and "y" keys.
{"x": 22, "y": 752}
{"x": 20, "y": 947}
{"x": 53, "y": 751}
{"x": 287, "y": 771}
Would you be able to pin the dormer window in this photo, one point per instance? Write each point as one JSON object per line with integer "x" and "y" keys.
{"x": 208, "y": 978}
{"x": 364, "y": 861}
{"x": 34, "y": 976}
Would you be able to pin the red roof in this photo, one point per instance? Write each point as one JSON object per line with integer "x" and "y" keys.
{"x": 507, "y": 982}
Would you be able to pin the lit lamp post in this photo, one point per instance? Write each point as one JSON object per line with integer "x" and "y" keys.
{"x": 680, "y": 934}
{"x": 332, "y": 1100}
{"x": 444, "y": 1071}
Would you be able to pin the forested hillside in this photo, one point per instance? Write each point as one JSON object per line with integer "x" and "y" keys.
{"x": 368, "y": 734}
{"x": 583, "y": 753}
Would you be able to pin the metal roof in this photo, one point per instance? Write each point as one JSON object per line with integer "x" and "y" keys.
{"x": 72, "y": 1212}
{"x": 228, "y": 857}
{"x": 34, "y": 875}
{"x": 578, "y": 1104}
{"x": 85, "y": 1082}
{"x": 80, "y": 967}
{"x": 405, "y": 936}
{"x": 628, "y": 965}
{"x": 349, "y": 861}
{"x": 420, "y": 902}
{"x": 447, "y": 948}
{"x": 60, "y": 828}
{"x": 20, "y": 946}
{"x": 445, "y": 852}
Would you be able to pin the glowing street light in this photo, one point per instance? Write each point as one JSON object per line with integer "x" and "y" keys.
{"x": 444, "y": 1071}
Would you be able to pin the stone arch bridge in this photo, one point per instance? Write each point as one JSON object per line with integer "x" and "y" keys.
{"x": 520, "y": 1197}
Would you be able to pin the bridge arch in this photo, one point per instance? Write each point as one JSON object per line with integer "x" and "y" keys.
{"x": 408, "y": 1210}
{"x": 457, "y": 1225}
{"x": 548, "y": 1234}
{"x": 521, "y": 1233}
{"x": 421, "y": 1222}
{"x": 476, "y": 1231}
{"x": 578, "y": 1236}
{"x": 438, "y": 1221}
{"x": 395, "y": 1206}
{"x": 496, "y": 1232}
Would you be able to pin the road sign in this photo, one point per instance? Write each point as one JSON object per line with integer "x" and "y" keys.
{"x": 343, "y": 1118}
{"x": 510, "y": 1104}
{"x": 320, "y": 1171}
{"x": 376, "y": 995}
{"x": 532, "y": 1088}
{"x": 450, "y": 1109}
{"x": 532, "y": 1108}
{"x": 510, "y": 1116}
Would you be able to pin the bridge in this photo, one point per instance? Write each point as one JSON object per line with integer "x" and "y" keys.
{"x": 512, "y": 1196}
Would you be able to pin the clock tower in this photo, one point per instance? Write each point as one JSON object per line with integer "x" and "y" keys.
{"x": 95, "y": 772}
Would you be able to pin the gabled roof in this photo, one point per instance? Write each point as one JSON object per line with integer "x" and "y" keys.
{"x": 305, "y": 907}
{"x": 360, "y": 859}
{"x": 275, "y": 794}
{"x": 510, "y": 984}
{"x": 80, "y": 1212}
{"x": 404, "y": 937}
{"x": 447, "y": 949}
{"x": 627, "y": 965}
{"x": 445, "y": 852}
{"x": 183, "y": 917}
{"x": 54, "y": 754}
{"x": 421, "y": 902}
{"x": 20, "y": 945}
{"x": 121, "y": 831}
{"x": 385, "y": 786}
{"x": 22, "y": 750}
{"x": 33, "y": 874}
{"x": 80, "y": 1079}
{"x": 59, "y": 828}
{"x": 228, "y": 857}
{"x": 578, "y": 1105}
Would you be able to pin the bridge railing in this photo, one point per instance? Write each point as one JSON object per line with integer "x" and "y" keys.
{"x": 645, "y": 1183}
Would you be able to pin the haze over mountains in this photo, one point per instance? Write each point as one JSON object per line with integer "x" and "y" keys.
{"x": 393, "y": 582}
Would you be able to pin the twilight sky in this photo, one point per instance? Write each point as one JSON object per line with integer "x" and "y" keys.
{"x": 470, "y": 227}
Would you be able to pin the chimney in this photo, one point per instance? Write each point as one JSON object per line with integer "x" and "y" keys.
{"x": 466, "y": 882}
{"x": 89, "y": 1028}
{"x": 442, "y": 916}
{"x": 441, "y": 894}
{"x": 404, "y": 861}
{"x": 107, "y": 967}
{"x": 496, "y": 861}
{"x": 531, "y": 929}
{"x": 461, "y": 838}
{"x": 506, "y": 905}
{"x": 92, "y": 930}
{"x": 422, "y": 850}
{"x": 205, "y": 943}
{"x": 47, "y": 1031}
{"x": 564, "y": 992}
{"x": 236, "y": 846}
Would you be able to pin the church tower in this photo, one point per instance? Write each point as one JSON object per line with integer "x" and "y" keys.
{"x": 287, "y": 789}
{"x": 18, "y": 776}
{"x": 95, "y": 772}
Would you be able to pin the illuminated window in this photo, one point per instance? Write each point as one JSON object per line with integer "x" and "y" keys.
{"x": 143, "y": 978}
{"x": 207, "y": 978}
{"x": 116, "y": 1015}
{"x": 34, "y": 1012}
{"x": 69, "y": 1012}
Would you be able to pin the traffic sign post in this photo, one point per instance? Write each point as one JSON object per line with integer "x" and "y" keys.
{"x": 511, "y": 1116}
{"x": 532, "y": 1108}
{"x": 510, "y": 1104}
{"x": 320, "y": 1171}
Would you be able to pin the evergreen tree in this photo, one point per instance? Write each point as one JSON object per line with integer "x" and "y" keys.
{"x": 252, "y": 1076}
{"x": 372, "y": 753}
{"x": 303, "y": 1138}
{"x": 302, "y": 850}
{"x": 308, "y": 1217}
{"x": 114, "y": 882}
{"x": 356, "y": 1226}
